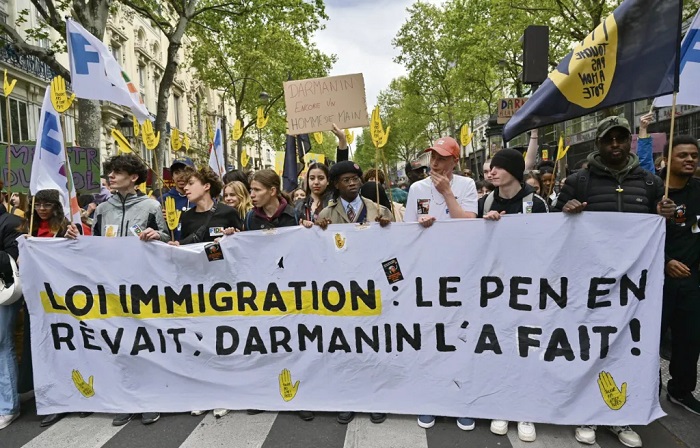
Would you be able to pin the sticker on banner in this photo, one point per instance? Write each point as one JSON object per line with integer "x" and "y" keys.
{"x": 340, "y": 241}
{"x": 392, "y": 271}
{"x": 213, "y": 252}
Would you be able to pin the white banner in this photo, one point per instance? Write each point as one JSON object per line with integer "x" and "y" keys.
{"x": 544, "y": 318}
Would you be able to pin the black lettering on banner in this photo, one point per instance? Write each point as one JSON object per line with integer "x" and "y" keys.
{"x": 176, "y": 332}
{"x": 605, "y": 333}
{"x": 102, "y": 299}
{"x": 277, "y": 342}
{"x": 387, "y": 338}
{"x": 70, "y": 300}
{"x": 525, "y": 341}
{"x": 486, "y": 295}
{"x": 161, "y": 338}
{"x": 442, "y": 346}
{"x": 444, "y": 290}
{"x": 419, "y": 294}
{"x": 123, "y": 297}
{"x": 173, "y": 298}
{"x": 113, "y": 344}
{"x": 516, "y": 290}
{"x": 357, "y": 293}
{"x": 314, "y": 335}
{"x": 488, "y": 340}
{"x": 200, "y": 298}
{"x": 627, "y": 285}
{"x": 66, "y": 338}
{"x": 254, "y": 342}
{"x": 341, "y": 296}
{"x": 547, "y": 291}
{"x": 142, "y": 341}
{"x": 222, "y": 332}
{"x": 559, "y": 346}
{"x": 88, "y": 336}
{"x": 584, "y": 341}
{"x": 314, "y": 296}
{"x": 246, "y": 300}
{"x": 139, "y": 296}
{"x": 52, "y": 297}
{"x": 226, "y": 303}
{"x": 594, "y": 292}
{"x": 273, "y": 299}
{"x": 338, "y": 341}
{"x": 361, "y": 336}
{"x": 402, "y": 335}
{"x": 297, "y": 294}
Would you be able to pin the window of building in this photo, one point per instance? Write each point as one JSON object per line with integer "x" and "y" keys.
{"x": 19, "y": 120}
{"x": 141, "y": 74}
{"x": 116, "y": 52}
{"x": 176, "y": 110}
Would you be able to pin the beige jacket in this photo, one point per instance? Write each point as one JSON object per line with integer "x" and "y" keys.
{"x": 336, "y": 212}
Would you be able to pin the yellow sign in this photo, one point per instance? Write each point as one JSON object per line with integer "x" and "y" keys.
{"x": 210, "y": 131}
{"x": 186, "y": 142}
{"x": 122, "y": 142}
{"x": 59, "y": 97}
{"x": 349, "y": 136}
{"x": 465, "y": 136}
{"x": 175, "y": 140}
{"x": 150, "y": 139}
{"x": 279, "y": 162}
{"x": 244, "y": 158}
{"x": 172, "y": 214}
{"x": 8, "y": 86}
{"x": 591, "y": 67}
{"x": 237, "y": 130}
{"x": 137, "y": 127}
{"x": 561, "y": 151}
{"x": 262, "y": 120}
{"x": 379, "y": 136}
{"x": 318, "y": 136}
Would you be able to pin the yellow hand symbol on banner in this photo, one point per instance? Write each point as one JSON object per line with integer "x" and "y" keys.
{"x": 262, "y": 120}
{"x": 186, "y": 142}
{"x": 150, "y": 139}
{"x": 591, "y": 67}
{"x": 122, "y": 142}
{"x": 339, "y": 241}
{"x": 318, "y": 136}
{"x": 613, "y": 397}
{"x": 137, "y": 127}
{"x": 8, "y": 86}
{"x": 84, "y": 388}
{"x": 172, "y": 215}
{"x": 237, "y": 132}
{"x": 287, "y": 391}
{"x": 59, "y": 97}
{"x": 349, "y": 136}
{"x": 175, "y": 140}
{"x": 244, "y": 158}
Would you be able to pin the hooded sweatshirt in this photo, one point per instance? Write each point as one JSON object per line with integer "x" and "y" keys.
{"x": 516, "y": 204}
{"x": 118, "y": 214}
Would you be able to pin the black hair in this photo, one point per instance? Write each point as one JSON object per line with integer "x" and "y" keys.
{"x": 237, "y": 175}
{"x": 545, "y": 167}
{"x": 484, "y": 183}
{"x": 326, "y": 171}
{"x": 681, "y": 140}
{"x": 85, "y": 199}
{"x": 369, "y": 191}
{"x": 129, "y": 164}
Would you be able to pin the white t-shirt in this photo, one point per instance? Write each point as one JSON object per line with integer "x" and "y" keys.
{"x": 424, "y": 199}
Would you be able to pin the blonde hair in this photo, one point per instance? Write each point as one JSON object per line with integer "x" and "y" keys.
{"x": 245, "y": 204}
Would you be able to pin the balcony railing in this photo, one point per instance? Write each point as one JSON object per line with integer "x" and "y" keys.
{"x": 28, "y": 63}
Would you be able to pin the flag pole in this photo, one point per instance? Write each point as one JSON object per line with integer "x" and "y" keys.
{"x": 9, "y": 145}
{"x": 31, "y": 219}
{"x": 69, "y": 172}
{"x": 670, "y": 144}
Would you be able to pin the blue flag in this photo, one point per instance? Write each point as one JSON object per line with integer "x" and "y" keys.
{"x": 631, "y": 55}
{"x": 295, "y": 147}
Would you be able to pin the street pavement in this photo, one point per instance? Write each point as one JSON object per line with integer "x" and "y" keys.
{"x": 270, "y": 429}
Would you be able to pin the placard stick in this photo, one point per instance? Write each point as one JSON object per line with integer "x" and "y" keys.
{"x": 670, "y": 144}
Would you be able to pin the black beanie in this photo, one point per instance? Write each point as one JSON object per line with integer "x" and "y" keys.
{"x": 344, "y": 167}
{"x": 511, "y": 161}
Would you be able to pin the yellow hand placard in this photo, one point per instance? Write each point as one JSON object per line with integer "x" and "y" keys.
{"x": 561, "y": 151}
{"x": 150, "y": 139}
{"x": 59, "y": 97}
{"x": 262, "y": 120}
{"x": 349, "y": 136}
{"x": 385, "y": 137}
{"x": 137, "y": 127}
{"x": 318, "y": 136}
{"x": 237, "y": 130}
{"x": 8, "y": 86}
{"x": 465, "y": 136}
{"x": 287, "y": 390}
{"x": 172, "y": 215}
{"x": 122, "y": 142}
{"x": 175, "y": 140}
{"x": 244, "y": 158}
{"x": 615, "y": 398}
{"x": 85, "y": 388}
{"x": 186, "y": 142}
{"x": 379, "y": 137}
{"x": 210, "y": 131}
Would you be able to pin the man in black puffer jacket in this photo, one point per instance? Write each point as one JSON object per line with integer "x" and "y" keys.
{"x": 614, "y": 181}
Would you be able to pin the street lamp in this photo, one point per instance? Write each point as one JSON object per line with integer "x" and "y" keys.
{"x": 126, "y": 126}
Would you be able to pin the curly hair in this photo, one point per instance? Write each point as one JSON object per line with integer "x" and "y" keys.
{"x": 207, "y": 176}
{"x": 129, "y": 164}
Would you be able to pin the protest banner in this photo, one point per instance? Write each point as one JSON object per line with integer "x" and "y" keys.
{"x": 315, "y": 104}
{"x": 507, "y": 107}
{"x": 85, "y": 163}
{"x": 467, "y": 317}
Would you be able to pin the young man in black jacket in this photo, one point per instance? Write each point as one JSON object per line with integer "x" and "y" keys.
{"x": 681, "y": 306}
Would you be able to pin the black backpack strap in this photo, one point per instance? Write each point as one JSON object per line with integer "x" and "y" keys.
{"x": 582, "y": 185}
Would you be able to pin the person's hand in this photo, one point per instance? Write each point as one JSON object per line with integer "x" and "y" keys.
{"x": 426, "y": 221}
{"x": 173, "y": 243}
{"x": 149, "y": 235}
{"x": 342, "y": 141}
{"x": 666, "y": 208}
{"x": 574, "y": 206}
{"x": 323, "y": 223}
{"x": 230, "y": 230}
{"x": 72, "y": 232}
{"x": 644, "y": 122}
{"x": 493, "y": 215}
{"x": 676, "y": 269}
{"x": 305, "y": 223}
{"x": 383, "y": 222}
{"x": 442, "y": 183}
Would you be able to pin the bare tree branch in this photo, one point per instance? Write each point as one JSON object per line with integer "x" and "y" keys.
{"x": 44, "y": 55}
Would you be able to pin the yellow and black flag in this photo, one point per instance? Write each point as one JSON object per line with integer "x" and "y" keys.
{"x": 632, "y": 54}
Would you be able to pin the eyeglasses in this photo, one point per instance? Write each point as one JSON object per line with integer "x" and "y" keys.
{"x": 42, "y": 206}
{"x": 608, "y": 139}
{"x": 350, "y": 180}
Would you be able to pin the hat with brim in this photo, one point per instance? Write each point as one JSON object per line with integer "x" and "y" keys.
{"x": 445, "y": 146}
{"x": 611, "y": 123}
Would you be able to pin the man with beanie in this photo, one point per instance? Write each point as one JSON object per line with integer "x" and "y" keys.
{"x": 512, "y": 195}
{"x": 442, "y": 195}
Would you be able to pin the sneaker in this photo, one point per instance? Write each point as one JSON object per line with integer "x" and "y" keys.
{"x": 376, "y": 417}
{"x": 6, "y": 419}
{"x": 426, "y": 421}
{"x": 122, "y": 419}
{"x": 220, "y": 412}
{"x": 689, "y": 402}
{"x": 51, "y": 419}
{"x": 499, "y": 427}
{"x": 466, "y": 423}
{"x": 345, "y": 417}
{"x": 148, "y": 418}
{"x": 307, "y": 416}
{"x": 586, "y": 434}
{"x": 627, "y": 436}
{"x": 196, "y": 413}
{"x": 526, "y": 431}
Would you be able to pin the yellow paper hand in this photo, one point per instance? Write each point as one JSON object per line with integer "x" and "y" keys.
{"x": 262, "y": 120}
{"x": 287, "y": 391}
{"x": 122, "y": 142}
{"x": 385, "y": 137}
{"x": 8, "y": 86}
{"x": 210, "y": 131}
{"x": 613, "y": 397}
{"x": 150, "y": 139}
{"x": 318, "y": 136}
{"x": 175, "y": 140}
{"x": 172, "y": 215}
{"x": 137, "y": 127}
{"x": 244, "y": 158}
{"x": 186, "y": 142}
{"x": 349, "y": 136}
{"x": 59, "y": 97}
{"x": 84, "y": 388}
{"x": 237, "y": 130}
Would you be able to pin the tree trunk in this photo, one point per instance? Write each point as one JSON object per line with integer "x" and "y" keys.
{"x": 89, "y": 124}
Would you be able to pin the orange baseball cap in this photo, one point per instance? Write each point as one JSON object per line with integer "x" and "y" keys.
{"x": 445, "y": 146}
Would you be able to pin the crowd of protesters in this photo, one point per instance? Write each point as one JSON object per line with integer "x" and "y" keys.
{"x": 612, "y": 179}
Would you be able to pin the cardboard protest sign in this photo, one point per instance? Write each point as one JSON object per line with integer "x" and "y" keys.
{"x": 467, "y": 317}
{"x": 507, "y": 107}
{"x": 315, "y": 104}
